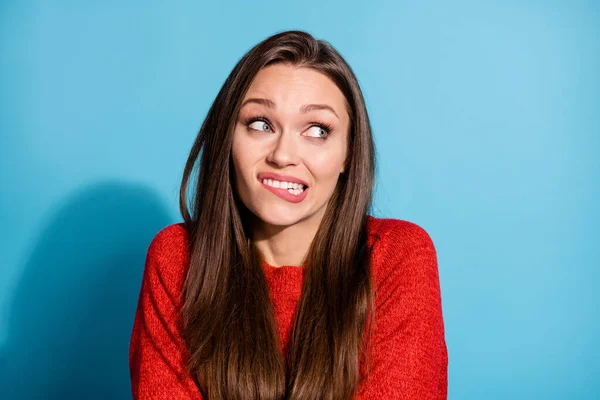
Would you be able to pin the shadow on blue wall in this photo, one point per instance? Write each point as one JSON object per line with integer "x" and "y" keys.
{"x": 72, "y": 312}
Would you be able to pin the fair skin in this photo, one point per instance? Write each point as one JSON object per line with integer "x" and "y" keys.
{"x": 288, "y": 142}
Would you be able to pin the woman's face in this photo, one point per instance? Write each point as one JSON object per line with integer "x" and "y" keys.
{"x": 283, "y": 128}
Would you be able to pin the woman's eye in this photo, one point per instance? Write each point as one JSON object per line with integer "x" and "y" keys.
{"x": 319, "y": 132}
{"x": 260, "y": 126}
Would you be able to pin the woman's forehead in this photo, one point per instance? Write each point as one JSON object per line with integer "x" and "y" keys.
{"x": 282, "y": 87}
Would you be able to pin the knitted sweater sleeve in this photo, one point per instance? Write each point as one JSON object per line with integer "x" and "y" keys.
{"x": 409, "y": 355}
{"x": 157, "y": 351}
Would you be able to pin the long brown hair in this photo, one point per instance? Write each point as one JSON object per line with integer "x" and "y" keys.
{"x": 229, "y": 324}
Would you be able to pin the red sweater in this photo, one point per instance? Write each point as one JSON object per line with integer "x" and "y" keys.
{"x": 410, "y": 354}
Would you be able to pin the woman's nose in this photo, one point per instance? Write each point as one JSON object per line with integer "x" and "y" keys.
{"x": 285, "y": 149}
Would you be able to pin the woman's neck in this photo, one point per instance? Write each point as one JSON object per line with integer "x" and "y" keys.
{"x": 285, "y": 245}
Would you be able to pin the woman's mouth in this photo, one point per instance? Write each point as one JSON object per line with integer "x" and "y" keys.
{"x": 289, "y": 191}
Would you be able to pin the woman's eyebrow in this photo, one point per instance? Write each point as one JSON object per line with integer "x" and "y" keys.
{"x": 310, "y": 107}
{"x": 304, "y": 109}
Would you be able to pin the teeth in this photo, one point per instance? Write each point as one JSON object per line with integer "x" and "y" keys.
{"x": 292, "y": 187}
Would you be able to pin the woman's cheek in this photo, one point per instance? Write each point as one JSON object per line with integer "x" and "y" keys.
{"x": 326, "y": 164}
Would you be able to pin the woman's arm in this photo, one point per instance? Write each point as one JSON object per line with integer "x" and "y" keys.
{"x": 157, "y": 351}
{"x": 410, "y": 358}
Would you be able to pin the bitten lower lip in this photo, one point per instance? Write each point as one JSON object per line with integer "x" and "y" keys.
{"x": 284, "y": 194}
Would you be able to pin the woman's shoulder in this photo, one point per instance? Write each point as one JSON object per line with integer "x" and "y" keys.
{"x": 170, "y": 236}
{"x": 168, "y": 258}
{"x": 398, "y": 243}
{"x": 396, "y": 231}
{"x": 171, "y": 242}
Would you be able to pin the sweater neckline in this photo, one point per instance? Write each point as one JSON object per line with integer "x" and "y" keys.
{"x": 285, "y": 267}
{"x": 285, "y": 280}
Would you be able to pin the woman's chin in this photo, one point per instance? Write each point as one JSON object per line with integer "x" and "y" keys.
{"x": 273, "y": 216}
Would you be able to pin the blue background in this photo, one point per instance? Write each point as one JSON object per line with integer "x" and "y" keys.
{"x": 486, "y": 121}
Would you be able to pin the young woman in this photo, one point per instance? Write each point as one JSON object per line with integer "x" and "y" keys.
{"x": 278, "y": 284}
